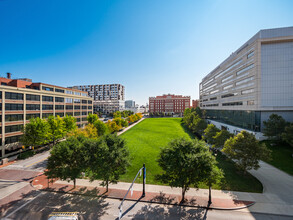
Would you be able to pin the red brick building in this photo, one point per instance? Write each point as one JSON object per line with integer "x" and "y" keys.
{"x": 195, "y": 103}
{"x": 174, "y": 104}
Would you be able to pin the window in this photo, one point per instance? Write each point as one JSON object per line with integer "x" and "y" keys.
{"x": 250, "y": 102}
{"x": 47, "y": 88}
{"x": 29, "y": 116}
{"x": 228, "y": 95}
{"x": 18, "y": 117}
{"x": 69, "y": 92}
{"x": 227, "y": 78}
{"x": 210, "y": 105}
{"x": 90, "y": 102}
{"x": 13, "y": 139}
{"x": 77, "y": 93}
{"x": 90, "y": 107}
{"x": 215, "y": 91}
{"x": 84, "y": 113}
{"x": 245, "y": 69}
{"x": 32, "y": 97}
{"x": 247, "y": 91}
{"x": 244, "y": 80}
{"x": 59, "y": 99}
{"x": 14, "y": 96}
{"x": 84, "y": 119}
{"x": 13, "y": 128}
{"x": 59, "y": 107}
{"x": 32, "y": 107}
{"x": 84, "y": 107}
{"x": 13, "y": 107}
{"x": 227, "y": 87}
{"x": 76, "y": 100}
{"x": 0, "y": 94}
{"x": 213, "y": 98}
{"x": 232, "y": 103}
{"x": 69, "y": 107}
{"x": 83, "y": 101}
{"x": 3, "y": 84}
{"x": 68, "y": 100}
{"x": 47, "y": 107}
{"x": 76, "y": 113}
{"x": 47, "y": 98}
{"x": 46, "y": 115}
{"x": 76, "y": 107}
{"x": 61, "y": 114}
{"x": 77, "y": 119}
{"x": 59, "y": 90}
{"x": 69, "y": 113}
{"x": 250, "y": 54}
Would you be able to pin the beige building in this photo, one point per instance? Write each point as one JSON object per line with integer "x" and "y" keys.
{"x": 21, "y": 99}
{"x": 252, "y": 83}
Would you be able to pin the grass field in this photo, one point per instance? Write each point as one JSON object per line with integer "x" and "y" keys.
{"x": 145, "y": 140}
{"x": 281, "y": 157}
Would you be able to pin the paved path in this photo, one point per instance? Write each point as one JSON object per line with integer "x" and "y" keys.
{"x": 126, "y": 129}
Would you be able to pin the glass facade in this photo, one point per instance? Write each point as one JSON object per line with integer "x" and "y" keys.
{"x": 250, "y": 120}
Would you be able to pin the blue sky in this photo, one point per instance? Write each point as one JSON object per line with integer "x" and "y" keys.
{"x": 152, "y": 47}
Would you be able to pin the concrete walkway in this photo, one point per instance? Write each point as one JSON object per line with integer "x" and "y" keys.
{"x": 126, "y": 129}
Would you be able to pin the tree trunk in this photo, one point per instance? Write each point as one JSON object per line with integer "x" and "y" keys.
{"x": 74, "y": 183}
{"x": 183, "y": 195}
{"x": 107, "y": 186}
{"x": 210, "y": 195}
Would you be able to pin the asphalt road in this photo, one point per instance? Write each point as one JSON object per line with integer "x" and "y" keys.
{"x": 39, "y": 205}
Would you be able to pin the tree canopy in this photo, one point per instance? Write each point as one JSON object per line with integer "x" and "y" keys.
{"x": 274, "y": 127}
{"x": 209, "y": 133}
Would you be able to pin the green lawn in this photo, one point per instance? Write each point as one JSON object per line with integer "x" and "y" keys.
{"x": 145, "y": 140}
{"x": 281, "y": 156}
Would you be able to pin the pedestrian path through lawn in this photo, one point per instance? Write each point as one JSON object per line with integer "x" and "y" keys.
{"x": 144, "y": 142}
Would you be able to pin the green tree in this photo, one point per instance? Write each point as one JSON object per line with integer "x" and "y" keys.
{"x": 113, "y": 159}
{"x": 221, "y": 137}
{"x": 101, "y": 127}
{"x": 209, "y": 133}
{"x": 69, "y": 123}
{"x": 185, "y": 163}
{"x": 246, "y": 150}
{"x": 117, "y": 114}
{"x": 213, "y": 177}
{"x": 36, "y": 132}
{"x": 199, "y": 112}
{"x": 57, "y": 128}
{"x": 92, "y": 118}
{"x": 66, "y": 160}
{"x": 187, "y": 111}
{"x": 274, "y": 127}
{"x": 287, "y": 135}
{"x": 198, "y": 125}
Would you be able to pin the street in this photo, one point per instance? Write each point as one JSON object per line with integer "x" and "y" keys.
{"x": 19, "y": 200}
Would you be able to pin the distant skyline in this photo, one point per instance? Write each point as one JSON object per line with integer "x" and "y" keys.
{"x": 150, "y": 47}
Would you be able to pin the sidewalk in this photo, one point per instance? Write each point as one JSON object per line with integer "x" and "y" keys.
{"x": 121, "y": 132}
{"x": 154, "y": 193}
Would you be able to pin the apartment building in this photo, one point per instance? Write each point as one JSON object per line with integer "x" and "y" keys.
{"x": 108, "y": 98}
{"x": 22, "y": 99}
{"x": 252, "y": 83}
{"x": 173, "y": 104}
{"x": 195, "y": 103}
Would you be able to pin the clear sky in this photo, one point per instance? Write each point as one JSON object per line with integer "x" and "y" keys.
{"x": 151, "y": 47}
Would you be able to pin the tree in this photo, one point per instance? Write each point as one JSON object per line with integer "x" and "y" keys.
{"x": 274, "y": 127}
{"x": 117, "y": 114}
{"x": 213, "y": 177}
{"x": 199, "y": 112}
{"x": 287, "y": 135}
{"x": 185, "y": 163}
{"x": 69, "y": 123}
{"x": 110, "y": 159}
{"x": 112, "y": 126}
{"x": 92, "y": 118}
{"x": 89, "y": 131}
{"x": 101, "y": 127}
{"x": 209, "y": 133}
{"x": 57, "y": 128}
{"x": 66, "y": 160}
{"x": 221, "y": 137}
{"x": 187, "y": 111}
{"x": 246, "y": 150}
{"x": 36, "y": 132}
{"x": 198, "y": 125}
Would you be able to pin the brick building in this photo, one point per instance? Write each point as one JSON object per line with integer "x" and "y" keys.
{"x": 195, "y": 103}
{"x": 21, "y": 99}
{"x": 174, "y": 104}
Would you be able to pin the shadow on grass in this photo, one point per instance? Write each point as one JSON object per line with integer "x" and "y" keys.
{"x": 188, "y": 131}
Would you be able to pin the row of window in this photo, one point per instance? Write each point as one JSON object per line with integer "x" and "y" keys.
{"x": 34, "y": 107}
{"x": 13, "y": 128}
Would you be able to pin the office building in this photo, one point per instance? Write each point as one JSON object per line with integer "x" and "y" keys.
{"x": 129, "y": 104}
{"x": 252, "y": 83}
{"x": 21, "y": 100}
{"x": 108, "y": 98}
{"x": 169, "y": 104}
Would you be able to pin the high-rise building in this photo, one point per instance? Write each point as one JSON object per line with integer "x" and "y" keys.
{"x": 252, "y": 83}
{"x": 108, "y": 98}
{"x": 21, "y": 99}
{"x": 129, "y": 104}
{"x": 173, "y": 104}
